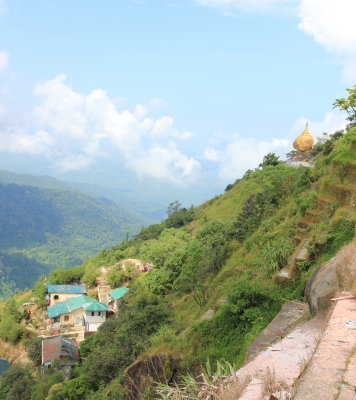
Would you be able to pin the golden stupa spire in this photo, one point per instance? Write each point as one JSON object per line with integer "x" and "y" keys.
{"x": 304, "y": 142}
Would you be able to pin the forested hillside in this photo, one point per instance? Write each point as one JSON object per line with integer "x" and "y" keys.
{"x": 45, "y": 228}
{"x": 215, "y": 284}
{"x": 146, "y": 205}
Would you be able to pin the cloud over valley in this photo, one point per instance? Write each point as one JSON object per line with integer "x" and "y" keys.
{"x": 74, "y": 130}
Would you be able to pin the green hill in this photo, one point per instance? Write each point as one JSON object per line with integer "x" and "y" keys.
{"x": 216, "y": 280}
{"x": 45, "y": 228}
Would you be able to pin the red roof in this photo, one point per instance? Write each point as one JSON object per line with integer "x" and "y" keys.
{"x": 60, "y": 347}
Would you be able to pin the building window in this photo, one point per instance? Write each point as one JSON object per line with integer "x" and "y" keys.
{"x": 66, "y": 318}
{"x": 92, "y": 313}
{"x": 99, "y": 314}
{"x": 56, "y": 297}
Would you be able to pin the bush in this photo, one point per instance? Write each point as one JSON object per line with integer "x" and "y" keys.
{"x": 16, "y": 383}
{"x": 116, "y": 277}
{"x": 76, "y": 389}
{"x": 342, "y": 233}
{"x": 180, "y": 217}
{"x": 274, "y": 254}
{"x": 249, "y": 308}
{"x": 66, "y": 276}
{"x": 11, "y": 331}
{"x": 34, "y": 350}
{"x": 39, "y": 291}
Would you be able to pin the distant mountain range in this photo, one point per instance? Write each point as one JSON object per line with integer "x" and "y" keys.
{"x": 45, "y": 223}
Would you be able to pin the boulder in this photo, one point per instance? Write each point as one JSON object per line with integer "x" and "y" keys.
{"x": 337, "y": 274}
{"x": 321, "y": 288}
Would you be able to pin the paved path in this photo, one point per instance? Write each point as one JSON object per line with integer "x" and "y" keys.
{"x": 282, "y": 362}
{"x": 331, "y": 374}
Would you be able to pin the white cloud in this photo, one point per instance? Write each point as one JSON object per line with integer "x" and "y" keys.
{"x": 14, "y": 141}
{"x": 162, "y": 125}
{"x": 248, "y": 5}
{"x": 242, "y": 154}
{"x": 332, "y": 121}
{"x": 165, "y": 127}
{"x": 73, "y": 162}
{"x": 165, "y": 163}
{"x": 4, "y": 57}
{"x": 331, "y": 23}
{"x": 74, "y": 130}
{"x": 211, "y": 154}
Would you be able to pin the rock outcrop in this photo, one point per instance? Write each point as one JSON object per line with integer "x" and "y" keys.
{"x": 337, "y": 274}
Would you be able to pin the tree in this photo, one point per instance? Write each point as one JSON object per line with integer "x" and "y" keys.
{"x": 16, "y": 383}
{"x": 291, "y": 154}
{"x": 270, "y": 159}
{"x": 348, "y": 104}
{"x": 173, "y": 207}
{"x": 39, "y": 291}
{"x": 33, "y": 349}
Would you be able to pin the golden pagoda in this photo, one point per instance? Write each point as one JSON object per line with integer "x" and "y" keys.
{"x": 304, "y": 142}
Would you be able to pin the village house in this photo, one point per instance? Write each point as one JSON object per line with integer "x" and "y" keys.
{"x": 60, "y": 348}
{"x": 81, "y": 311}
{"x": 115, "y": 296}
{"x": 59, "y": 293}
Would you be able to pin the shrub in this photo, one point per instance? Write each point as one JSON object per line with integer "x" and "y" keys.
{"x": 342, "y": 233}
{"x": 66, "y": 276}
{"x": 16, "y": 383}
{"x": 39, "y": 291}
{"x": 34, "y": 350}
{"x": 274, "y": 254}
{"x": 116, "y": 277}
{"x": 249, "y": 308}
{"x": 11, "y": 331}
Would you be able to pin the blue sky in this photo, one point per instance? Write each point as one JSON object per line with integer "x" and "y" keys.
{"x": 178, "y": 96}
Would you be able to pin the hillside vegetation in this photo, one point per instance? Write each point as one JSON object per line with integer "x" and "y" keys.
{"x": 45, "y": 228}
{"x": 223, "y": 256}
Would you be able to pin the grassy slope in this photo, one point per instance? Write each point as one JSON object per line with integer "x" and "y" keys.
{"x": 317, "y": 204}
{"x": 333, "y": 178}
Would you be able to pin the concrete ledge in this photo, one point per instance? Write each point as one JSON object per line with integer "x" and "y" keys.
{"x": 290, "y": 315}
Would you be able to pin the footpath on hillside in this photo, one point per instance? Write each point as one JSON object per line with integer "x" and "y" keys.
{"x": 315, "y": 361}
{"x": 296, "y": 358}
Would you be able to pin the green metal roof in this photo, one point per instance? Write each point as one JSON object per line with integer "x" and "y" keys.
{"x": 65, "y": 307}
{"x": 97, "y": 306}
{"x": 117, "y": 293}
{"x": 78, "y": 289}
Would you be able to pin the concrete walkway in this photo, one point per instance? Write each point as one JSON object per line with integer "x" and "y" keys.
{"x": 331, "y": 374}
{"x": 316, "y": 361}
{"x": 281, "y": 364}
